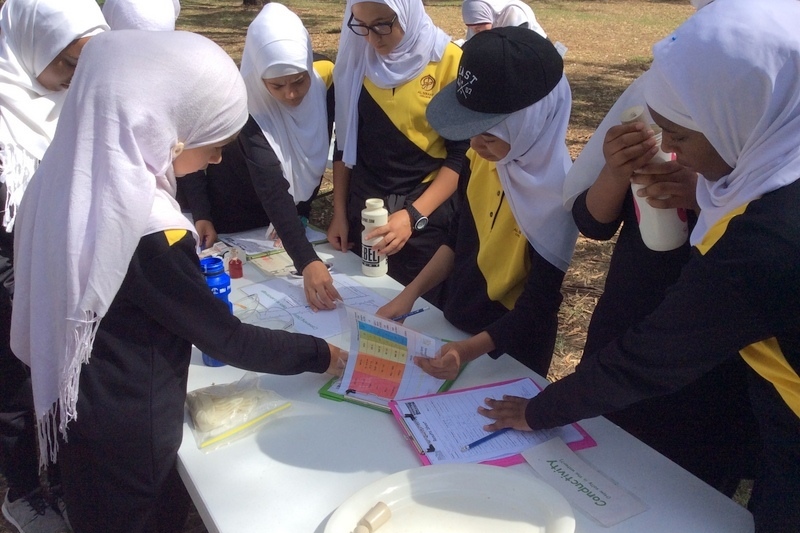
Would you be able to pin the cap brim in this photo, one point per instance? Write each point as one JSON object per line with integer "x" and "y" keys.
{"x": 455, "y": 122}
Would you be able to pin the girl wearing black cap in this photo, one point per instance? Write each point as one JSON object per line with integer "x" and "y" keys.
{"x": 505, "y": 259}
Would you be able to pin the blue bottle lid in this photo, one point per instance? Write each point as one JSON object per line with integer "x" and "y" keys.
{"x": 212, "y": 266}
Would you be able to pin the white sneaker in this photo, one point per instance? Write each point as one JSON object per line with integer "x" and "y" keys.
{"x": 32, "y": 514}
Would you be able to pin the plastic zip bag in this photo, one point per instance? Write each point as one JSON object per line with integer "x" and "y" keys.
{"x": 224, "y": 413}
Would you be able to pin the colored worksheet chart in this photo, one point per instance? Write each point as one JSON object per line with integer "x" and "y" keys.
{"x": 381, "y": 367}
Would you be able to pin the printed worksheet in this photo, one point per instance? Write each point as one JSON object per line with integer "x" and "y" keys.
{"x": 445, "y": 425}
{"x": 285, "y": 298}
{"x": 380, "y": 367}
{"x": 256, "y": 242}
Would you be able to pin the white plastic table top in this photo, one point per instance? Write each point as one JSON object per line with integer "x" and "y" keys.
{"x": 290, "y": 476}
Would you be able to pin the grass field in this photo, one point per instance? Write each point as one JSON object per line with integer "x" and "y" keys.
{"x": 608, "y": 45}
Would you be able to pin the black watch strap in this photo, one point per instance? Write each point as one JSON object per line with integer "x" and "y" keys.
{"x": 418, "y": 220}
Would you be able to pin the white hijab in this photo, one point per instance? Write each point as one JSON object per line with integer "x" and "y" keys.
{"x": 742, "y": 93}
{"x": 591, "y": 160}
{"x": 278, "y": 44}
{"x": 532, "y": 174}
{"x": 422, "y": 44}
{"x": 32, "y": 34}
{"x": 499, "y": 13}
{"x": 155, "y": 15}
{"x": 104, "y": 183}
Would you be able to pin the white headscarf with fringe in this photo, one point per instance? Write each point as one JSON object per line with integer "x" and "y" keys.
{"x": 104, "y": 183}
{"x": 32, "y": 34}
{"x": 278, "y": 44}
{"x": 422, "y": 43}
{"x": 533, "y": 172}
{"x": 742, "y": 93}
{"x": 154, "y": 15}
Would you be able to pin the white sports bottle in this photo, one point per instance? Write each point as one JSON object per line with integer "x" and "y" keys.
{"x": 374, "y": 215}
{"x": 661, "y": 229}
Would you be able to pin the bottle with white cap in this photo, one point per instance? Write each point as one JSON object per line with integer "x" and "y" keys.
{"x": 374, "y": 215}
{"x": 661, "y": 229}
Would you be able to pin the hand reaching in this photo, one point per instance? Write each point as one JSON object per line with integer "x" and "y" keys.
{"x": 318, "y": 286}
{"x": 506, "y": 413}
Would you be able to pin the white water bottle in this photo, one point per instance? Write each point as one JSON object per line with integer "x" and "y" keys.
{"x": 661, "y": 229}
{"x": 374, "y": 215}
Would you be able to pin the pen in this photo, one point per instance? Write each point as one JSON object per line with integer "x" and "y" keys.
{"x": 481, "y": 440}
{"x": 411, "y": 313}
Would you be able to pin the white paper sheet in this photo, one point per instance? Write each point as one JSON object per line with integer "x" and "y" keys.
{"x": 584, "y": 487}
{"x": 451, "y": 420}
{"x": 286, "y": 296}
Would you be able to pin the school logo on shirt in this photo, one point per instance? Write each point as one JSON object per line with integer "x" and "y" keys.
{"x": 426, "y": 85}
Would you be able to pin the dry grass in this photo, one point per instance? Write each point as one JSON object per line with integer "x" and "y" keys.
{"x": 609, "y": 45}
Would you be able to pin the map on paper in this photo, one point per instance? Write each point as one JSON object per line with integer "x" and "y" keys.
{"x": 287, "y": 297}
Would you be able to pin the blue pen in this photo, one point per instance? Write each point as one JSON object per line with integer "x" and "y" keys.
{"x": 412, "y": 313}
{"x": 481, "y": 440}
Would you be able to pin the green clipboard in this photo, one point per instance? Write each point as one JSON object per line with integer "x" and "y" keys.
{"x": 333, "y": 383}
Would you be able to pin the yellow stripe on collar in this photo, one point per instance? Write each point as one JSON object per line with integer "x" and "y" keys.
{"x": 716, "y": 231}
{"x": 174, "y": 235}
{"x": 767, "y": 359}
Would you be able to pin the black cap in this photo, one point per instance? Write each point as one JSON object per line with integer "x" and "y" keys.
{"x": 501, "y": 71}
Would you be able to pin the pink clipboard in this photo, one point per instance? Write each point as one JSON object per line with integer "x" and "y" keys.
{"x": 585, "y": 442}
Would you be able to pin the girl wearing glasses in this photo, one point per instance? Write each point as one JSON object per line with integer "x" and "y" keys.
{"x": 392, "y": 60}
{"x": 272, "y": 173}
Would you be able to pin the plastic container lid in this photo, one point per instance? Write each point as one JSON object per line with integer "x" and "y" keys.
{"x": 212, "y": 266}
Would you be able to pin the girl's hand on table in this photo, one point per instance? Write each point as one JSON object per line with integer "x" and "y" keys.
{"x": 318, "y": 286}
{"x": 206, "y": 233}
{"x": 400, "y": 305}
{"x": 338, "y": 360}
{"x": 506, "y": 413}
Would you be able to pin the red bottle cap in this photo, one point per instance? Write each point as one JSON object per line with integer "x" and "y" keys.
{"x": 235, "y": 265}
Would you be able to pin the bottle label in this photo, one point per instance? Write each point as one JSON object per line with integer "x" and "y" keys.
{"x": 370, "y": 257}
{"x": 216, "y": 291}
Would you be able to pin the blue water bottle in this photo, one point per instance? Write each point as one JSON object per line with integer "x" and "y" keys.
{"x": 220, "y": 284}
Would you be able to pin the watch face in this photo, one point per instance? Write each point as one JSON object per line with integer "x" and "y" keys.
{"x": 421, "y": 223}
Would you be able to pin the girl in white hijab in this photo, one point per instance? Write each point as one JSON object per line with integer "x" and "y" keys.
{"x": 506, "y": 262}
{"x": 481, "y": 15}
{"x": 40, "y": 43}
{"x": 33, "y": 35}
{"x": 277, "y": 45}
{"x": 725, "y": 89}
{"x": 126, "y": 295}
{"x": 272, "y": 173}
{"x": 392, "y": 60}
{"x": 154, "y": 15}
{"x": 717, "y": 449}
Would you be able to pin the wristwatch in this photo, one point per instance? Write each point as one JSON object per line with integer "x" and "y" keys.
{"x": 418, "y": 220}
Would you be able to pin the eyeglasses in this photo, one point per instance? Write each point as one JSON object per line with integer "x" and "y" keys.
{"x": 381, "y": 28}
